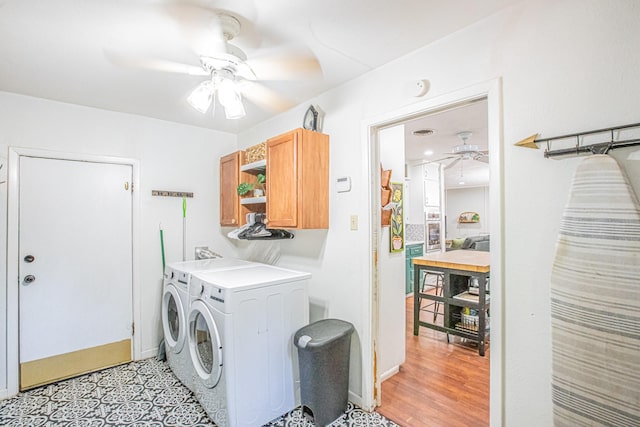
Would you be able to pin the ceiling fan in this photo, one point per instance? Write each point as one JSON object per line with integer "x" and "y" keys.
{"x": 229, "y": 73}
{"x": 465, "y": 151}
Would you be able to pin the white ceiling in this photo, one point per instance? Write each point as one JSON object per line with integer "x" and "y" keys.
{"x": 446, "y": 126}
{"x": 56, "y": 49}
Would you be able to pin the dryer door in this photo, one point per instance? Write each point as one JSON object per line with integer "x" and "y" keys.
{"x": 173, "y": 319}
{"x": 204, "y": 344}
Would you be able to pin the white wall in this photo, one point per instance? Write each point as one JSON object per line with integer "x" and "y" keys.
{"x": 566, "y": 66}
{"x": 337, "y": 258}
{"x": 172, "y": 157}
{"x": 458, "y": 200}
{"x": 391, "y": 323}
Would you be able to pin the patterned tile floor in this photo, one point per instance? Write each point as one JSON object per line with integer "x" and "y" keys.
{"x": 140, "y": 394}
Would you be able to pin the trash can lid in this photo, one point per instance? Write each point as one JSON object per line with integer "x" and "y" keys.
{"x": 322, "y": 333}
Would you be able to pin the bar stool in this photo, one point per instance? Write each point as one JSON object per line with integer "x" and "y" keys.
{"x": 427, "y": 277}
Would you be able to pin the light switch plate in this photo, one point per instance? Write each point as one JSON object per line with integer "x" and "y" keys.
{"x": 354, "y": 222}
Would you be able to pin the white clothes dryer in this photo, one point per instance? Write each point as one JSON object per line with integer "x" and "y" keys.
{"x": 175, "y": 306}
{"x": 241, "y": 325}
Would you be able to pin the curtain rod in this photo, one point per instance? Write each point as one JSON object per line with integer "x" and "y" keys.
{"x": 600, "y": 148}
{"x": 596, "y": 148}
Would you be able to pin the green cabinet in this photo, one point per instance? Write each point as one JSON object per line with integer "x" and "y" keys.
{"x": 411, "y": 251}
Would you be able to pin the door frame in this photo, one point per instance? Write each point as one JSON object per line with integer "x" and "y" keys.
{"x": 13, "y": 256}
{"x": 491, "y": 91}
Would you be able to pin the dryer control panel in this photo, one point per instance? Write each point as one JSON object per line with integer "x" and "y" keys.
{"x": 213, "y": 295}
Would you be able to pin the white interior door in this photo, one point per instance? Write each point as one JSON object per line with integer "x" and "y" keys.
{"x": 75, "y": 243}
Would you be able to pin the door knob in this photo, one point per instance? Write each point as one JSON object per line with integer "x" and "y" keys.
{"x": 29, "y": 258}
{"x": 29, "y": 279}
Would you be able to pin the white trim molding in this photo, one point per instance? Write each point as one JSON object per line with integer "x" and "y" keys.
{"x": 492, "y": 92}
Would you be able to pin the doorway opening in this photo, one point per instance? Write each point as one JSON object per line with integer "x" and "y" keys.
{"x": 437, "y": 239}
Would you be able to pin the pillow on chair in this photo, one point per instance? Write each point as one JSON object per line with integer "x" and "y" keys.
{"x": 457, "y": 243}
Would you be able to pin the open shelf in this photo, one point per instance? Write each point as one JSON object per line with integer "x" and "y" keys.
{"x": 253, "y": 200}
{"x": 259, "y": 166}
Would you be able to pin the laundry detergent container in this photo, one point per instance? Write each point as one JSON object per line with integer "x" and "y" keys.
{"x": 323, "y": 356}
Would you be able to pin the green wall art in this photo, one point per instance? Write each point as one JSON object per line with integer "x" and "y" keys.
{"x": 396, "y": 231}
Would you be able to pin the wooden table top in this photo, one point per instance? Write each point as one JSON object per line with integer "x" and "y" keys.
{"x": 466, "y": 260}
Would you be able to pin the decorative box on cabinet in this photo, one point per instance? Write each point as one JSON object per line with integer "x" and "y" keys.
{"x": 298, "y": 180}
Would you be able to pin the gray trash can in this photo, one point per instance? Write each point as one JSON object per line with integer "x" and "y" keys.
{"x": 323, "y": 355}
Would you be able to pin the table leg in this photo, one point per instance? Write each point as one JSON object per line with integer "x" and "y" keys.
{"x": 416, "y": 298}
{"x": 482, "y": 314}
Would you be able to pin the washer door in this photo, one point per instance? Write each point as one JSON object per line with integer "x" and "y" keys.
{"x": 173, "y": 319}
{"x": 204, "y": 344}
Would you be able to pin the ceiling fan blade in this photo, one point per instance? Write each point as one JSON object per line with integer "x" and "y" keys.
{"x": 452, "y": 164}
{"x": 153, "y": 64}
{"x": 265, "y": 97}
{"x": 201, "y": 27}
{"x": 483, "y": 159}
{"x": 294, "y": 65}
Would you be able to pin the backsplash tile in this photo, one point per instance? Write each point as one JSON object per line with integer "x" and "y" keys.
{"x": 414, "y": 232}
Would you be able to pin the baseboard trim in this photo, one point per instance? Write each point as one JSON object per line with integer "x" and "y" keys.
{"x": 147, "y": 354}
{"x": 357, "y": 400}
{"x": 391, "y": 372}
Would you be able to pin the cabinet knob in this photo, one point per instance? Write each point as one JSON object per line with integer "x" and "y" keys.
{"x": 233, "y": 221}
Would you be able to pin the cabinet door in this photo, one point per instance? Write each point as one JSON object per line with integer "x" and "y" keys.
{"x": 282, "y": 180}
{"x": 229, "y": 200}
{"x": 409, "y": 276}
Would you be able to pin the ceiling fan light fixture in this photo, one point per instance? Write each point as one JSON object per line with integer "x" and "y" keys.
{"x": 231, "y": 99}
{"x": 465, "y": 148}
{"x": 202, "y": 96}
{"x": 223, "y": 86}
{"x": 234, "y": 111}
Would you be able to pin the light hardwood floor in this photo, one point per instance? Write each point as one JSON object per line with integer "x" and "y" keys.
{"x": 439, "y": 384}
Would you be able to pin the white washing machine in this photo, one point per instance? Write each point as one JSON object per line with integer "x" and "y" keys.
{"x": 240, "y": 332}
{"x": 175, "y": 306}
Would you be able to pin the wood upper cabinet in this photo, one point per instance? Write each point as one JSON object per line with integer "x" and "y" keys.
{"x": 298, "y": 180}
{"x": 229, "y": 180}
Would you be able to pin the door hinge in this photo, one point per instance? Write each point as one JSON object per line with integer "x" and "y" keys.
{"x": 133, "y": 328}
{"x": 132, "y": 186}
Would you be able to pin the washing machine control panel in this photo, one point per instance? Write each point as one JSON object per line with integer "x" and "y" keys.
{"x": 183, "y": 277}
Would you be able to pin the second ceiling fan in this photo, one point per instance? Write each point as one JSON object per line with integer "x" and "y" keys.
{"x": 465, "y": 151}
